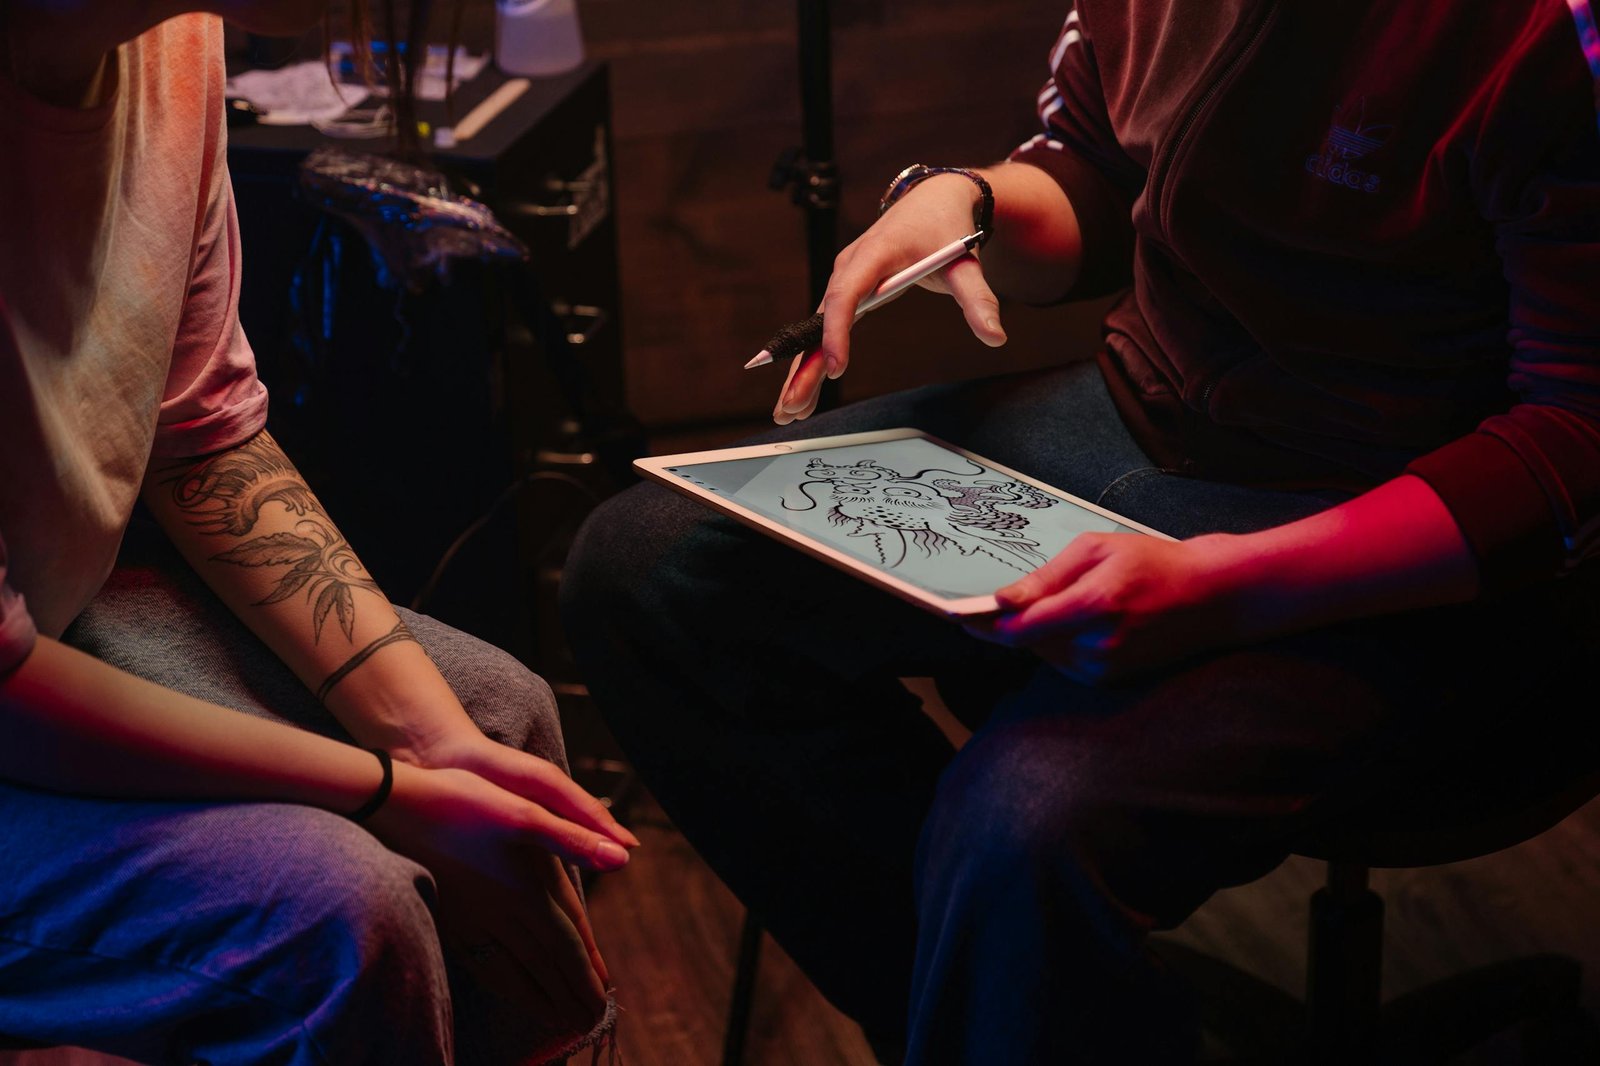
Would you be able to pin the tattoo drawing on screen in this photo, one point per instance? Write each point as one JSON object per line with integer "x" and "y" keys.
{"x": 931, "y": 514}
{"x": 225, "y": 495}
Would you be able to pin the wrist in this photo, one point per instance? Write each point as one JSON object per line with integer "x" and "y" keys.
{"x": 1247, "y": 599}
{"x": 980, "y": 194}
{"x": 380, "y": 794}
{"x": 458, "y": 747}
{"x": 389, "y": 822}
{"x": 411, "y": 724}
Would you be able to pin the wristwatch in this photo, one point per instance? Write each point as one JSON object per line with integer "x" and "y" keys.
{"x": 910, "y": 177}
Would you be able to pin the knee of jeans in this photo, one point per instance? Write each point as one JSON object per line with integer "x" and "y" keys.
{"x": 535, "y": 723}
{"x": 350, "y": 939}
{"x": 637, "y": 559}
{"x": 340, "y": 905}
{"x": 1003, "y": 811}
{"x": 508, "y": 702}
{"x": 599, "y": 565}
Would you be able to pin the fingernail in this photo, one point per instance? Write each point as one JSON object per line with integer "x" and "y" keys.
{"x": 627, "y": 837}
{"x": 833, "y": 368}
{"x": 610, "y": 855}
{"x": 992, "y": 325}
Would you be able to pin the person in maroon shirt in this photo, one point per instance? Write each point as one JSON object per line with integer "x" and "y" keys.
{"x": 1355, "y": 368}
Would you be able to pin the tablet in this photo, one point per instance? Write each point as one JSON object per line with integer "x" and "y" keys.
{"x": 925, "y": 520}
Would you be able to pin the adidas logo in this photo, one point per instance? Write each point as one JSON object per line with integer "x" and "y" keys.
{"x": 1348, "y": 141}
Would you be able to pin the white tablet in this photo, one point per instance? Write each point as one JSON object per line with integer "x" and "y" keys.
{"x": 923, "y": 519}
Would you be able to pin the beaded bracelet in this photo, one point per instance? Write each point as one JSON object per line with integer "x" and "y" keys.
{"x": 369, "y": 808}
{"x": 910, "y": 177}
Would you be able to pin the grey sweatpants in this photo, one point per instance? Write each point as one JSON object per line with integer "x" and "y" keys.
{"x": 249, "y": 932}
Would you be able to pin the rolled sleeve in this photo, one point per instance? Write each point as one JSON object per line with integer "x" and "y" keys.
{"x": 213, "y": 398}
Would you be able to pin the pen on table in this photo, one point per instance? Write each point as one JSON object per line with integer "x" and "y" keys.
{"x": 805, "y": 334}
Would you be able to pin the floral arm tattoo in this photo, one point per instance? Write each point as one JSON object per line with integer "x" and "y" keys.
{"x": 225, "y": 494}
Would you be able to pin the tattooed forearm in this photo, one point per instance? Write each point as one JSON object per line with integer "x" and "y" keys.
{"x": 319, "y": 561}
{"x": 225, "y": 494}
{"x": 394, "y": 636}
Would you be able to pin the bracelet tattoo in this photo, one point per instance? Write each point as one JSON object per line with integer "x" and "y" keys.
{"x": 394, "y": 636}
{"x": 225, "y": 494}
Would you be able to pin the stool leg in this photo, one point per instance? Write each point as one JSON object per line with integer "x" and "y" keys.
{"x": 744, "y": 987}
{"x": 1344, "y": 968}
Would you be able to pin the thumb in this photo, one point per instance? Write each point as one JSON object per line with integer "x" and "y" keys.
{"x": 1069, "y": 564}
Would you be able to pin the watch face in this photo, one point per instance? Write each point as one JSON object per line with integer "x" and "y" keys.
{"x": 902, "y": 182}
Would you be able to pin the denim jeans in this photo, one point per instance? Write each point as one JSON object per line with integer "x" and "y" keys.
{"x": 990, "y": 905}
{"x": 247, "y": 933}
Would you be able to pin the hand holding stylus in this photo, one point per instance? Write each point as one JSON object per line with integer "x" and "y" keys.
{"x": 797, "y": 337}
{"x": 923, "y": 224}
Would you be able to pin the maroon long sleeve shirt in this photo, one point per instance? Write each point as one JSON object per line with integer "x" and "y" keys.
{"x": 1358, "y": 239}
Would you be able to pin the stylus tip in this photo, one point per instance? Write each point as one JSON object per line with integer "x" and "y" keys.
{"x": 762, "y": 358}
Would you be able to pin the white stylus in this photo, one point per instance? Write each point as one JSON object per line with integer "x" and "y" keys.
{"x": 806, "y": 334}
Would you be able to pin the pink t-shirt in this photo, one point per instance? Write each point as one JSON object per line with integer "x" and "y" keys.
{"x": 119, "y": 325}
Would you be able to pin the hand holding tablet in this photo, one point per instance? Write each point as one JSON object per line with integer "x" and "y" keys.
{"x": 925, "y": 520}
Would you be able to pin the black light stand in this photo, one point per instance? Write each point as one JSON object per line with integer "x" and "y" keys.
{"x": 812, "y": 178}
{"x": 809, "y": 172}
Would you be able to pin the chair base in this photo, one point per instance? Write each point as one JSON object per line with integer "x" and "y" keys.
{"x": 1249, "y": 1022}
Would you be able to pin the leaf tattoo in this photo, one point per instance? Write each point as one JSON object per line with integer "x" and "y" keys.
{"x": 225, "y": 494}
{"x": 319, "y": 561}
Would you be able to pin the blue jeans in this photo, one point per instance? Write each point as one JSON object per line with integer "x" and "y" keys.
{"x": 245, "y": 933}
{"x": 990, "y": 905}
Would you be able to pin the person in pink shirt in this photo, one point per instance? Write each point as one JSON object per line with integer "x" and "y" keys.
{"x": 269, "y": 817}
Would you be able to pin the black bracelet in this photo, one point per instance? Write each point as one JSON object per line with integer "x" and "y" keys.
{"x": 916, "y": 173}
{"x": 369, "y": 808}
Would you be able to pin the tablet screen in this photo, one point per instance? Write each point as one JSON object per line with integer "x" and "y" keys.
{"x": 911, "y": 508}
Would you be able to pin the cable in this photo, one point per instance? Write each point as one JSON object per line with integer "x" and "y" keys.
{"x": 506, "y": 495}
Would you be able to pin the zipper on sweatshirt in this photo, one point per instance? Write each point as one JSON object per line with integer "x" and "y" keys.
{"x": 1160, "y": 183}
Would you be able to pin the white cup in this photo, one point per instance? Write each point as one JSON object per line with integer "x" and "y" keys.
{"x": 537, "y": 37}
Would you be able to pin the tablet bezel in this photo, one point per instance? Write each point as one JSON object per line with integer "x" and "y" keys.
{"x": 655, "y": 468}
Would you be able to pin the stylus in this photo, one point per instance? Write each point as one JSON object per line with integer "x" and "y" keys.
{"x": 806, "y": 334}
